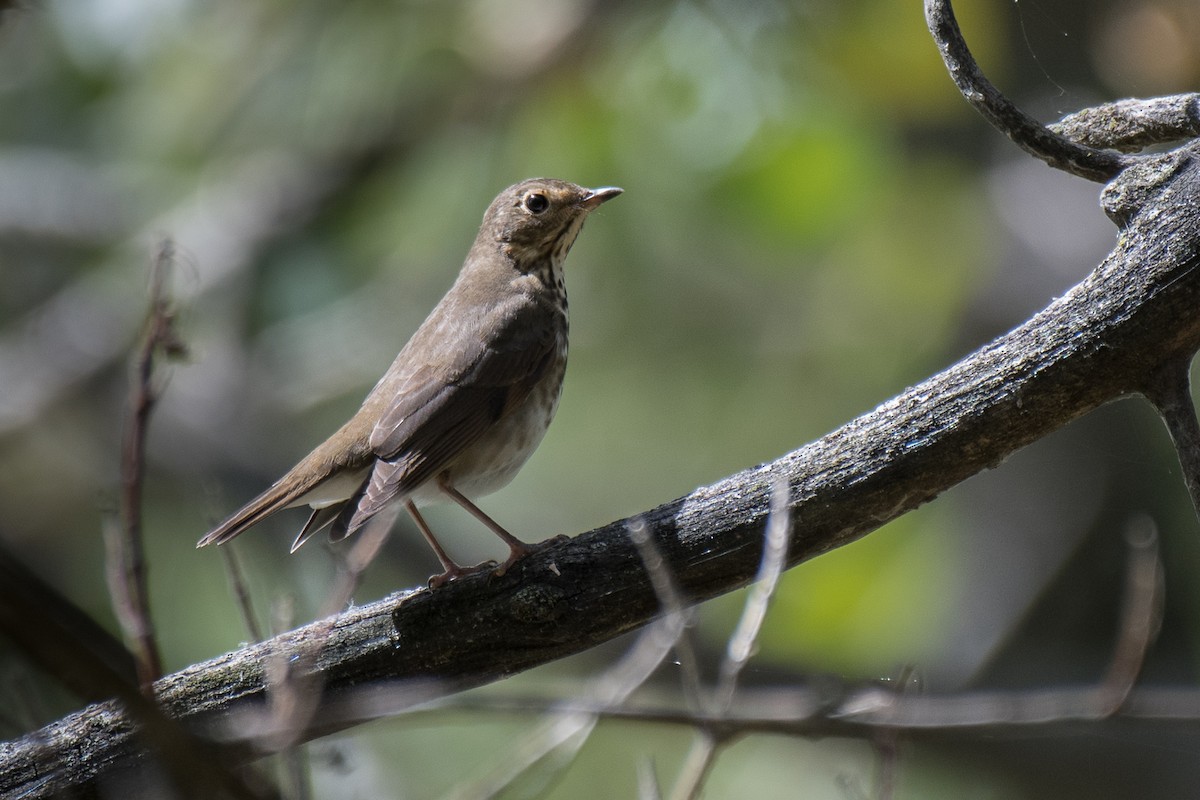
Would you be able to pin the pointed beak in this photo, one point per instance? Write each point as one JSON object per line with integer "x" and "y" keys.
{"x": 595, "y": 197}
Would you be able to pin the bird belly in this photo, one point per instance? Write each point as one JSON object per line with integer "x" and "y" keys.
{"x": 494, "y": 459}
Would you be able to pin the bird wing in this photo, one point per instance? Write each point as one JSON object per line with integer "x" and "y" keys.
{"x": 436, "y": 412}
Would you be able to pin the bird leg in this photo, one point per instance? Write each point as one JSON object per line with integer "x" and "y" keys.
{"x": 453, "y": 570}
{"x": 516, "y": 547}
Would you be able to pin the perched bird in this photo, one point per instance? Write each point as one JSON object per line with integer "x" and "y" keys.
{"x": 470, "y": 396}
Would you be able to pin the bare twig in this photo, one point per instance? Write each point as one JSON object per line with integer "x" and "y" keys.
{"x": 294, "y": 686}
{"x": 647, "y": 782}
{"x": 359, "y": 557}
{"x": 562, "y": 735}
{"x": 126, "y": 556}
{"x": 697, "y": 764}
{"x": 703, "y": 753}
{"x": 863, "y": 712}
{"x": 886, "y": 744}
{"x": 887, "y": 764}
{"x": 1169, "y": 390}
{"x": 673, "y": 606}
{"x": 241, "y": 592}
{"x": 774, "y": 559}
{"x": 1141, "y": 615}
{"x": 566, "y": 729}
{"x": 1026, "y": 132}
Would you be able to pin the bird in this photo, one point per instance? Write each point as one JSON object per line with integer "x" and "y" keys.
{"x": 469, "y": 397}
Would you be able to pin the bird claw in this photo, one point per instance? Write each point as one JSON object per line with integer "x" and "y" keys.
{"x": 517, "y": 553}
{"x": 456, "y": 572}
{"x": 498, "y": 570}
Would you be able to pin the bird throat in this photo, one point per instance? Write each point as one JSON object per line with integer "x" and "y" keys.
{"x": 544, "y": 262}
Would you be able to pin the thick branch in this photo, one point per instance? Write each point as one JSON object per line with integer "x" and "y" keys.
{"x": 1108, "y": 337}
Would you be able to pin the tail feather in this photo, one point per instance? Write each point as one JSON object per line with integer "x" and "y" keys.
{"x": 330, "y": 495}
{"x": 376, "y": 492}
{"x": 254, "y": 512}
{"x": 317, "y": 521}
{"x": 326, "y": 479}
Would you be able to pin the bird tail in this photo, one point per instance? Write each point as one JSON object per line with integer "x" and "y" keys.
{"x": 258, "y": 509}
{"x": 322, "y": 518}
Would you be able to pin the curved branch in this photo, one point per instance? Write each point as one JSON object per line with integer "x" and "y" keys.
{"x": 1026, "y": 132}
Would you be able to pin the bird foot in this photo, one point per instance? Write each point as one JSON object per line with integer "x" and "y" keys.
{"x": 516, "y": 553}
{"x": 520, "y": 550}
{"x": 455, "y": 572}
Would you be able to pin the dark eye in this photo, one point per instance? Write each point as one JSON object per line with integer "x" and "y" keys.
{"x": 536, "y": 203}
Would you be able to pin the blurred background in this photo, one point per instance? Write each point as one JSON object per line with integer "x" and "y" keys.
{"x": 813, "y": 220}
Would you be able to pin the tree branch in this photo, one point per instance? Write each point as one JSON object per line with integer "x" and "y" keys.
{"x": 1026, "y": 132}
{"x": 1108, "y": 337}
{"x": 1129, "y": 125}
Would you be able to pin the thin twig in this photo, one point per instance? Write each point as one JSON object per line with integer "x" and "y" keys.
{"x": 861, "y": 713}
{"x": 1169, "y": 390}
{"x": 1026, "y": 132}
{"x": 697, "y": 765}
{"x": 758, "y": 600}
{"x": 703, "y": 753}
{"x": 357, "y": 559}
{"x": 886, "y": 744}
{"x": 241, "y": 591}
{"x": 646, "y": 781}
{"x": 297, "y": 774}
{"x": 1141, "y": 615}
{"x": 673, "y": 606}
{"x": 126, "y": 554}
{"x": 566, "y": 729}
{"x": 562, "y": 735}
{"x": 294, "y": 686}
{"x": 887, "y": 764}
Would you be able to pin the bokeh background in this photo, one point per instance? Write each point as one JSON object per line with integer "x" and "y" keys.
{"x": 813, "y": 221}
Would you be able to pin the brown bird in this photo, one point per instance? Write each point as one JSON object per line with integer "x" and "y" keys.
{"x": 470, "y": 396}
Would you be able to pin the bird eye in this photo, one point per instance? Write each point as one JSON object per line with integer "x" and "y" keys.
{"x": 536, "y": 202}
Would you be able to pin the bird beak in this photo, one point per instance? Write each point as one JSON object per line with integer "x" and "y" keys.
{"x": 595, "y": 197}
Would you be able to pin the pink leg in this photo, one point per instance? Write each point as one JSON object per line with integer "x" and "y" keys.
{"x": 516, "y": 547}
{"x": 453, "y": 570}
